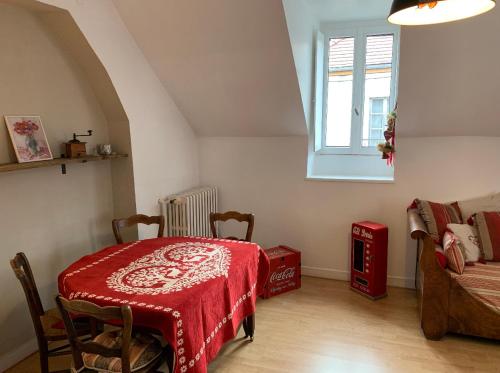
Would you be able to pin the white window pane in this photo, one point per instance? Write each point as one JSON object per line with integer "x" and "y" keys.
{"x": 378, "y": 75}
{"x": 340, "y": 79}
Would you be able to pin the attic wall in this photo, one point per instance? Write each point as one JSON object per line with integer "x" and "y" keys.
{"x": 53, "y": 218}
{"x": 67, "y": 34}
{"x": 265, "y": 176}
{"x": 162, "y": 145}
{"x": 165, "y": 158}
{"x": 449, "y": 76}
{"x": 446, "y": 128}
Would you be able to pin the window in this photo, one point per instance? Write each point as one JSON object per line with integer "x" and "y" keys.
{"x": 359, "y": 76}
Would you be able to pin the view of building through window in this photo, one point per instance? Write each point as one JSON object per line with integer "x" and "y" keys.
{"x": 348, "y": 125}
{"x": 378, "y": 73}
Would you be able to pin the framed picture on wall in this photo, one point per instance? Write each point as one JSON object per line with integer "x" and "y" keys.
{"x": 28, "y": 138}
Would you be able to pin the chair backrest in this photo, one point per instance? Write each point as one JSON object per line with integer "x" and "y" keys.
{"x": 121, "y": 314}
{"x": 23, "y": 272}
{"x": 134, "y": 220}
{"x": 232, "y": 215}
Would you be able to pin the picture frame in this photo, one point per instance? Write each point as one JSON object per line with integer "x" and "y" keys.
{"x": 28, "y": 138}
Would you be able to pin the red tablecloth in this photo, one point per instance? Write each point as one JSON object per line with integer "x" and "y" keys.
{"x": 196, "y": 291}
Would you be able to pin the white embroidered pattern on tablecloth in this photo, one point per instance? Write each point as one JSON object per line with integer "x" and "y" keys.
{"x": 172, "y": 268}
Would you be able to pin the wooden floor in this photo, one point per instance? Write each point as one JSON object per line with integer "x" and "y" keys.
{"x": 325, "y": 327}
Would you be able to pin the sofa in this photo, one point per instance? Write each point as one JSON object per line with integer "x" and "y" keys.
{"x": 466, "y": 303}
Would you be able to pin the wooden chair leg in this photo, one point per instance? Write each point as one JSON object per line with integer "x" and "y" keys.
{"x": 170, "y": 358}
{"x": 44, "y": 358}
{"x": 94, "y": 327}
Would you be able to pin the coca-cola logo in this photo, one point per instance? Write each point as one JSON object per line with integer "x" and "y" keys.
{"x": 286, "y": 274}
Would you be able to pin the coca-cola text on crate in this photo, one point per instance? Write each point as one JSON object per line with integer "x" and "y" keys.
{"x": 284, "y": 270}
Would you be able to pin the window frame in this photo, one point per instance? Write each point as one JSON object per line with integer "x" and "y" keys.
{"x": 360, "y": 31}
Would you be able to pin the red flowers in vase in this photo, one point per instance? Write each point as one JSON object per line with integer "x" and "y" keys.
{"x": 26, "y": 127}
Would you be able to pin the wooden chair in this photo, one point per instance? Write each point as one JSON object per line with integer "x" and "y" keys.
{"x": 232, "y": 215}
{"x": 137, "y": 219}
{"x": 248, "y": 322}
{"x": 111, "y": 349}
{"x": 44, "y": 321}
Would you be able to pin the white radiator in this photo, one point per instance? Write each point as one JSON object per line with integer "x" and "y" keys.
{"x": 188, "y": 213}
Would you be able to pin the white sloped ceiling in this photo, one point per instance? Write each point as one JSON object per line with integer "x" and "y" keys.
{"x": 227, "y": 63}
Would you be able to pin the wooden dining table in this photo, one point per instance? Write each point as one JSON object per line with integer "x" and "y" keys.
{"x": 196, "y": 291}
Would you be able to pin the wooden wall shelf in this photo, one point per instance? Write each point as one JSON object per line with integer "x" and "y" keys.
{"x": 9, "y": 167}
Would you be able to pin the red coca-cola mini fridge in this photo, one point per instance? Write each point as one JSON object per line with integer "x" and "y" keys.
{"x": 284, "y": 270}
{"x": 369, "y": 259}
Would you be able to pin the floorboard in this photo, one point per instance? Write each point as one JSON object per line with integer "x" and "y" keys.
{"x": 326, "y": 327}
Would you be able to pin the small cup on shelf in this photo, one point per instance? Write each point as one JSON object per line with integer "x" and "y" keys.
{"x": 104, "y": 149}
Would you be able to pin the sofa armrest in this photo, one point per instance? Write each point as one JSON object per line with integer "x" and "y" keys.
{"x": 417, "y": 225}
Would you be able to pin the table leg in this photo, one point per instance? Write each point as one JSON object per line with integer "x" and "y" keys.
{"x": 249, "y": 326}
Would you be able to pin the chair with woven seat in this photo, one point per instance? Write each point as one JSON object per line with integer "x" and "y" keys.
{"x": 111, "y": 351}
{"x": 47, "y": 323}
{"x": 232, "y": 215}
{"x": 118, "y": 224}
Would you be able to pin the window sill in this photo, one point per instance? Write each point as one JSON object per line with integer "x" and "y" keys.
{"x": 368, "y": 153}
{"x": 354, "y": 179}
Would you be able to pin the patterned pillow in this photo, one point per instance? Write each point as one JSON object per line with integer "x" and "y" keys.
{"x": 143, "y": 350}
{"x": 437, "y": 216}
{"x": 468, "y": 240}
{"x": 455, "y": 256}
{"x": 488, "y": 228}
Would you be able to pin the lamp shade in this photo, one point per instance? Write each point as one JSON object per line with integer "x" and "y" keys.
{"x": 428, "y": 12}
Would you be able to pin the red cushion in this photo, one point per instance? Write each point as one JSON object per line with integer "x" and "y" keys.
{"x": 441, "y": 258}
{"x": 437, "y": 216}
{"x": 488, "y": 228}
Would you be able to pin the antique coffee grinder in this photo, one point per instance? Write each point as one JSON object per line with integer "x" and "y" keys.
{"x": 76, "y": 148}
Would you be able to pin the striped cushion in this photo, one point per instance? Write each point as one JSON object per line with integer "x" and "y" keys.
{"x": 453, "y": 252}
{"x": 144, "y": 349}
{"x": 482, "y": 281}
{"x": 437, "y": 216}
{"x": 488, "y": 227}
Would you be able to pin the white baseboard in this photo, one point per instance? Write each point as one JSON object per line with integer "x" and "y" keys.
{"x": 333, "y": 274}
{"x": 22, "y": 352}
{"x": 336, "y": 274}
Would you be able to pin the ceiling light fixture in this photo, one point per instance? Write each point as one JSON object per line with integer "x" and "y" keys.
{"x": 427, "y": 12}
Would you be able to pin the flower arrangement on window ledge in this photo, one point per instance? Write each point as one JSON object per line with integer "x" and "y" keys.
{"x": 388, "y": 147}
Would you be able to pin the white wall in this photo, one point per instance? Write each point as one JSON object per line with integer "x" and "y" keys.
{"x": 449, "y": 76}
{"x": 265, "y": 176}
{"x": 53, "y": 218}
{"x": 163, "y": 144}
{"x": 56, "y": 219}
